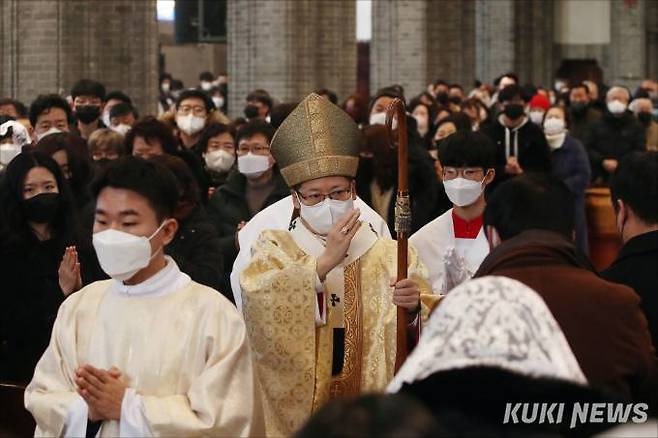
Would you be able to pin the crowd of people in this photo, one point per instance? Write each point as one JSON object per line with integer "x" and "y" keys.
{"x": 185, "y": 273}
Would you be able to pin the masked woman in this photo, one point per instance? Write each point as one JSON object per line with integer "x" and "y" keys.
{"x": 41, "y": 253}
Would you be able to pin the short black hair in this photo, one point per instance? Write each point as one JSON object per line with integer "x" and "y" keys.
{"x": 392, "y": 91}
{"x": 166, "y": 76}
{"x": 206, "y": 76}
{"x": 122, "y": 109}
{"x": 213, "y": 130}
{"x": 373, "y": 415}
{"x": 510, "y": 93}
{"x": 193, "y": 93}
{"x": 280, "y": 112}
{"x": 530, "y": 201}
{"x": 19, "y": 107}
{"x": 44, "y": 102}
{"x": 580, "y": 85}
{"x": 254, "y": 127}
{"x": 150, "y": 128}
{"x": 118, "y": 95}
{"x": 153, "y": 181}
{"x": 261, "y": 96}
{"x": 333, "y": 98}
{"x": 510, "y": 75}
{"x": 460, "y": 120}
{"x": 636, "y": 183}
{"x": 88, "y": 87}
{"x": 466, "y": 148}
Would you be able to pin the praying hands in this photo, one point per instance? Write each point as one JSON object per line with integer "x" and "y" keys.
{"x": 103, "y": 391}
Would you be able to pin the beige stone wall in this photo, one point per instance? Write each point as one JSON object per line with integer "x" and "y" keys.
{"x": 49, "y": 44}
{"x": 290, "y": 48}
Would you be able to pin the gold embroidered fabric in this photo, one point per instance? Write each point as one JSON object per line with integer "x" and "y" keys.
{"x": 317, "y": 139}
{"x": 293, "y": 357}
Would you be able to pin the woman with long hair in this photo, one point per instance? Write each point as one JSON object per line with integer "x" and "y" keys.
{"x": 40, "y": 256}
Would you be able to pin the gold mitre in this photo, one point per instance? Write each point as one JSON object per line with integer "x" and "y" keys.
{"x": 317, "y": 139}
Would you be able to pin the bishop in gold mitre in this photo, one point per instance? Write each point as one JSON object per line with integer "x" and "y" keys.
{"x": 320, "y": 299}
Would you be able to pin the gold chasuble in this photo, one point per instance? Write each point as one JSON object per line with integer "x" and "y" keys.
{"x": 293, "y": 356}
{"x": 314, "y": 341}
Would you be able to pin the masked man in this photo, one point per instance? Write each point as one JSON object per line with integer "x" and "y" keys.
{"x": 320, "y": 300}
{"x": 149, "y": 352}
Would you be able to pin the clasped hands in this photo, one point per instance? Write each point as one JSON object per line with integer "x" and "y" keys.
{"x": 102, "y": 390}
{"x": 406, "y": 293}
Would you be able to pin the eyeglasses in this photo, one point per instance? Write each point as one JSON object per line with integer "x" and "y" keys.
{"x": 255, "y": 148}
{"x": 336, "y": 195}
{"x": 472, "y": 173}
{"x": 196, "y": 110}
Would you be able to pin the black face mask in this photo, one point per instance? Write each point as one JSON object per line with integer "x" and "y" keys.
{"x": 644, "y": 118}
{"x": 455, "y": 99}
{"x": 251, "y": 111}
{"x": 102, "y": 163}
{"x": 578, "y": 108}
{"x": 513, "y": 111}
{"x": 41, "y": 208}
{"x": 87, "y": 113}
{"x": 442, "y": 97}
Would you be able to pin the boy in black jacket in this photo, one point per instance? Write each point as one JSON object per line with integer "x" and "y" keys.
{"x": 520, "y": 144}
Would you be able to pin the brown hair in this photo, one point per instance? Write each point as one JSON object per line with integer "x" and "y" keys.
{"x": 105, "y": 139}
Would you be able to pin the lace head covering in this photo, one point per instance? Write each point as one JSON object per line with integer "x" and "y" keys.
{"x": 492, "y": 322}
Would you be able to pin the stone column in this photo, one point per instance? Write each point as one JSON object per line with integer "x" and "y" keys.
{"x": 50, "y": 44}
{"x": 494, "y": 38}
{"x": 451, "y": 41}
{"x": 533, "y": 51}
{"x": 290, "y": 48}
{"x": 399, "y": 45}
{"x": 628, "y": 43}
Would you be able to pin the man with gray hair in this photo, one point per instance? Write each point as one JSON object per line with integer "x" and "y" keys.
{"x": 615, "y": 135}
{"x": 643, "y": 110}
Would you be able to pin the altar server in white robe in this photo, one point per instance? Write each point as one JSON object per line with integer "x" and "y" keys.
{"x": 453, "y": 245}
{"x": 279, "y": 216}
{"x": 149, "y": 352}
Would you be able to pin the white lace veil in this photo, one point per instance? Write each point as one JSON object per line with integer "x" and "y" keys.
{"x": 491, "y": 321}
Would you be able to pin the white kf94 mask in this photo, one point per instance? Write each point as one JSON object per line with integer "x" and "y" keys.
{"x": 121, "y": 254}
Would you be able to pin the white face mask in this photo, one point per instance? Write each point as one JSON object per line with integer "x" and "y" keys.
{"x": 52, "y": 130}
{"x": 218, "y": 101}
{"x": 106, "y": 118}
{"x": 252, "y": 166}
{"x": 19, "y": 134}
{"x": 165, "y": 87}
{"x": 462, "y": 191}
{"x": 380, "y": 119}
{"x": 8, "y": 152}
{"x": 190, "y": 124}
{"x": 121, "y": 254}
{"x": 553, "y": 126}
{"x": 322, "y": 216}
{"x": 121, "y": 129}
{"x": 219, "y": 160}
{"x": 617, "y": 107}
{"x": 206, "y": 86}
{"x": 536, "y": 117}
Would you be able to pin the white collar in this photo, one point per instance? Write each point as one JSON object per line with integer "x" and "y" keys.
{"x": 167, "y": 280}
{"x": 314, "y": 245}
